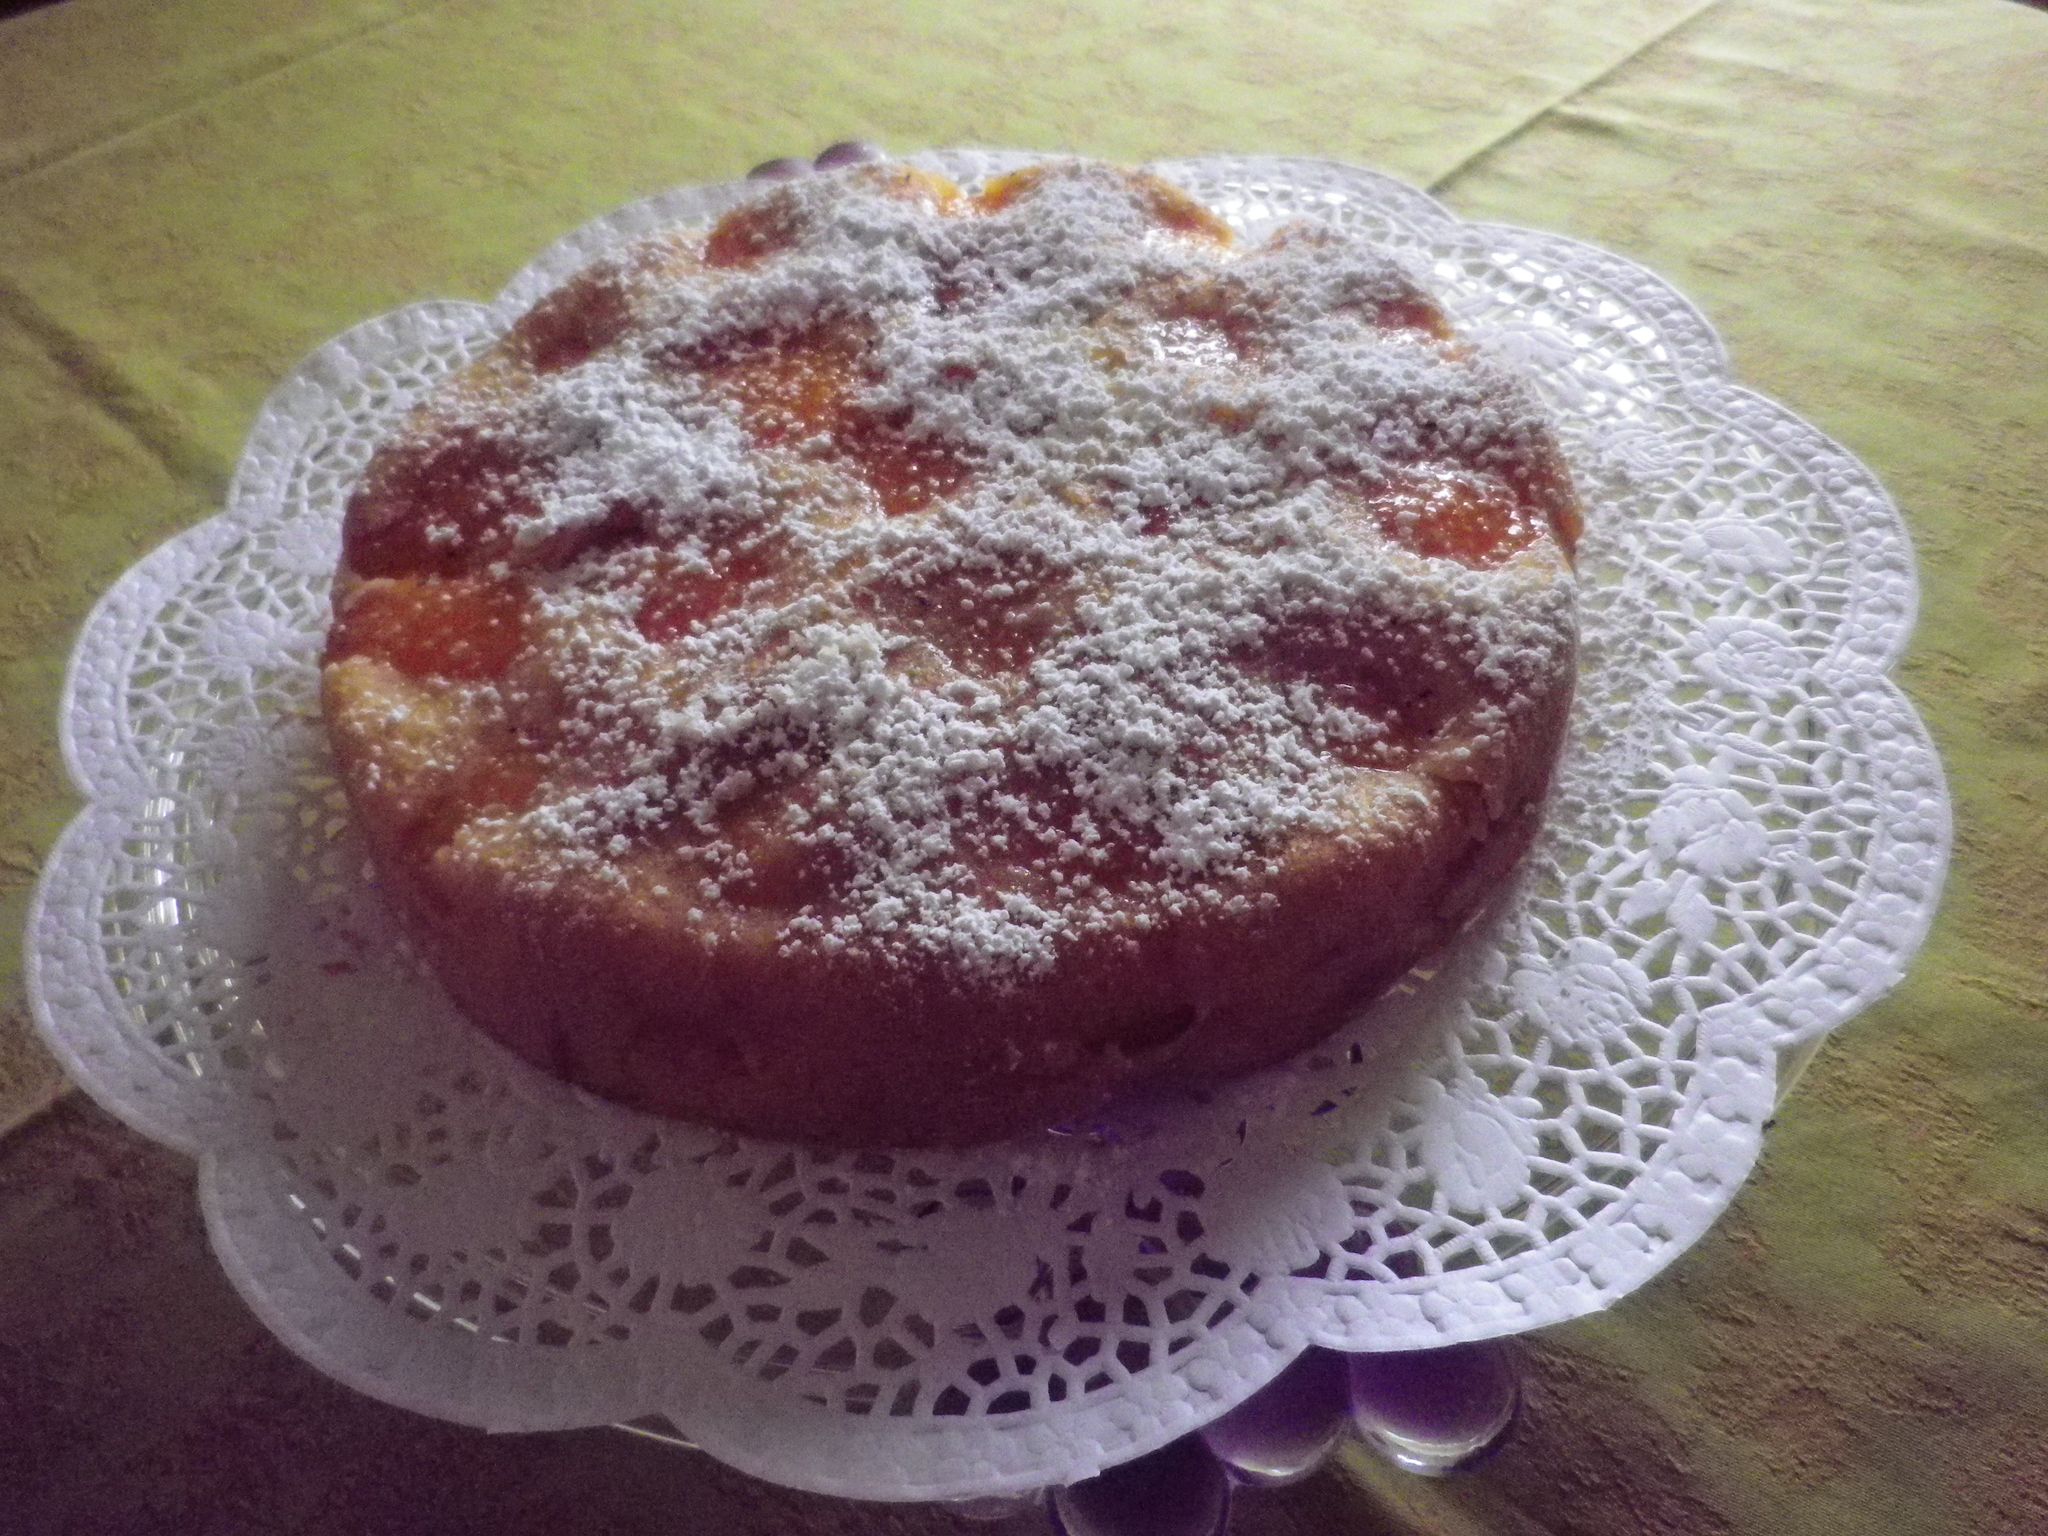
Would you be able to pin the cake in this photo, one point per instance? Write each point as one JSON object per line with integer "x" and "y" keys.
{"x": 904, "y": 666}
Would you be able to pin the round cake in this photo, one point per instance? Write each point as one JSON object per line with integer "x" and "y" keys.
{"x": 903, "y": 666}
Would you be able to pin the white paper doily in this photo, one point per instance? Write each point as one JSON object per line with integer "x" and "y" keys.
{"x": 1745, "y": 848}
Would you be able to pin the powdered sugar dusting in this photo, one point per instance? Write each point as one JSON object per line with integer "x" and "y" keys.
{"x": 963, "y": 588}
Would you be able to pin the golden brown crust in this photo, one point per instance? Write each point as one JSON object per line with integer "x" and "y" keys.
{"x": 633, "y": 1007}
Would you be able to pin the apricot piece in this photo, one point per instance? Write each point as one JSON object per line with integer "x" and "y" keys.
{"x": 461, "y": 628}
{"x": 907, "y": 474}
{"x": 436, "y": 504}
{"x": 680, "y": 600}
{"x": 1165, "y": 204}
{"x": 1476, "y": 520}
{"x": 755, "y": 231}
{"x": 803, "y": 387}
{"x": 575, "y": 322}
{"x": 790, "y": 388}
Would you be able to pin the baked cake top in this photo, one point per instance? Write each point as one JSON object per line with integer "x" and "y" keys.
{"x": 952, "y": 579}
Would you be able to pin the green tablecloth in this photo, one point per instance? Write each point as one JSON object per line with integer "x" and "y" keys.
{"x": 195, "y": 192}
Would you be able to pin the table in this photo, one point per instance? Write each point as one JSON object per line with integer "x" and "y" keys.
{"x": 195, "y": 192}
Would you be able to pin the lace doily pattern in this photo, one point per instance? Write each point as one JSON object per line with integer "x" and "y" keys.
{"x": 1747, "y": 839}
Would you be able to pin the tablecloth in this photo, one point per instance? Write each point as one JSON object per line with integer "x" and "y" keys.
{"x": 195, "y": 192}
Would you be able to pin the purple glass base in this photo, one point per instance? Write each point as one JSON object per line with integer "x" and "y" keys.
{"x": 831, "y": 158}
{"x": 1176, "y": 1491}
{"x": 1429, "y": 1412}
{"x": 1436, "y": 1411}
{"x": 1282, "y": 1434}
